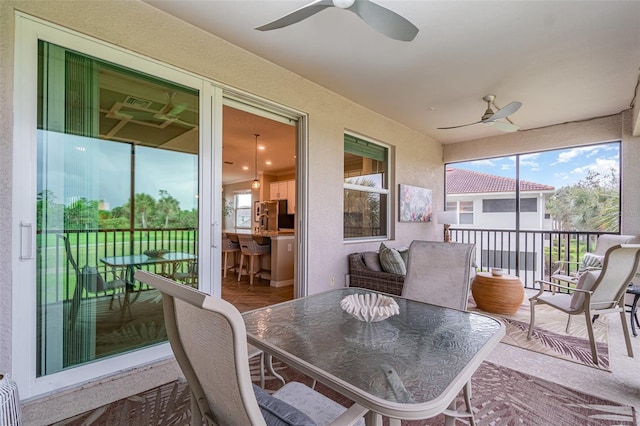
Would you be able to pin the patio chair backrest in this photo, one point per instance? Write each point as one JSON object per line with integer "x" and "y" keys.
{"x": 619, "y": 267}
{"x": 439, "y": 273}
{"x": 606, "y": 241}
{"x": 208, "y": 337}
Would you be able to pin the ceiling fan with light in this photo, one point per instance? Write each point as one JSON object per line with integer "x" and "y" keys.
{"x": 379, "y": 18}
{"x": 490, "y": 118}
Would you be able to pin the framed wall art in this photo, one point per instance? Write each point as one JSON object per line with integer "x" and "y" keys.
{"x": 414, "y": 204}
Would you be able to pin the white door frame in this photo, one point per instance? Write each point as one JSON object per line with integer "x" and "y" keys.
{"x": 28, "y": 30}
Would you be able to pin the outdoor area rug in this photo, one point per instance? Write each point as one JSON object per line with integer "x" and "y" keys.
{"x": 550, "y": 338}
{"x": 501, "y": 396}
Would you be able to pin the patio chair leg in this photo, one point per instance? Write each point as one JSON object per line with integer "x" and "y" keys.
{"x": 592, "y": 339}
{"x": 196, "y": 415}
{"x": 569, "y": 324}
{"x": 532, "y": 321}
{"x": 625, "y": 329}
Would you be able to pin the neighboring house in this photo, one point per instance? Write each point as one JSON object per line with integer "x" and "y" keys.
{"x": 485, "y": 201}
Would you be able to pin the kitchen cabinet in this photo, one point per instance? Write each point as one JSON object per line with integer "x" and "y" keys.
{"x": 284, "y": 190}
{"x": 278, "y": 190}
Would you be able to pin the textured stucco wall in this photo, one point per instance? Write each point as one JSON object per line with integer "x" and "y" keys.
{"x": 6, "y": 120}
{"x": 138, "y": 27}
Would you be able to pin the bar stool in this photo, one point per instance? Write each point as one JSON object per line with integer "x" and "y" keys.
{"x": 249, "y": 247}
{"x": 229, "y": 246}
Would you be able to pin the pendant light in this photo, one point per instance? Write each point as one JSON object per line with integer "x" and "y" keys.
{"x": 256, "y": 183}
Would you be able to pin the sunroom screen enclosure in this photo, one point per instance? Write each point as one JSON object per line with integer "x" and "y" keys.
{"x": 117, "y": 174}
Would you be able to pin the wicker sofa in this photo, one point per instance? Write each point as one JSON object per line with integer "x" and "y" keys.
{"x": 362, "y": 276}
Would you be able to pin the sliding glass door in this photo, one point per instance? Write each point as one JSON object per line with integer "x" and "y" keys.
{"x": 117, "y": 180}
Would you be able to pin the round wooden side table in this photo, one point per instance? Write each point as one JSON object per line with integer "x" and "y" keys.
{"x": 498, "y": 294}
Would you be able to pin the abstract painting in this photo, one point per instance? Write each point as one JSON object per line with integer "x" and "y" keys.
{"x": 415, "y": 204}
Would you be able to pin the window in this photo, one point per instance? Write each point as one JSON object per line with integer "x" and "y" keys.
{"x": 465, "y": 213}
{"x": 575, "y": 189}
{"x": 242, "y": 202}
{"x": 508, "y": 205}
{"x": 366, "y": 188}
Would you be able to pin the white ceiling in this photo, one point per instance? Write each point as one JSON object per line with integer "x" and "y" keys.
{"x": 564, "y": 60}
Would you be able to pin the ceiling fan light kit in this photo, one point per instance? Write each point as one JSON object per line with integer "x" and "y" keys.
{"x": 379, "y": 18}
{"x": 490, "y": 118}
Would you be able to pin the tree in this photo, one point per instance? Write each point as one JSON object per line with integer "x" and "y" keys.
{"x": 592, "y": 204}
{"x": 145, "y": 206}
{"x": 167, "y": 206}
{"x": 49, "y": 213}
{"x": 81, "y": 214}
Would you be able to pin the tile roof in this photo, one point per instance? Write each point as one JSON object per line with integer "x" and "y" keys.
{"x": 461, "y": 181}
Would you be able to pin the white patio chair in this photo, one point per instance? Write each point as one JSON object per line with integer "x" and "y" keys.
{"x": 590, "y": 260}
{"x": 208, "y": 337}
{"x": 439, "y": 273}
{"x": 91, "y": 280}
{"x": 596, "y": 293}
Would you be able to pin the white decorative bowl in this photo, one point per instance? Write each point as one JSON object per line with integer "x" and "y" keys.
{"x": 496, "y": 272}
{"x": 370, "y": 307}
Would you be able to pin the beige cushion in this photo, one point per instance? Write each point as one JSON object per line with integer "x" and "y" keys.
{"x": 372, "y": 260}
{"x": 404, "y": 253}
{"x": 585, "y": 282}
{"x": 391, "y": 261}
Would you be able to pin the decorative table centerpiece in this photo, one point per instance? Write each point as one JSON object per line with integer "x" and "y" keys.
{"x": 370, "y": 307}
{"x": 156, "y": 253}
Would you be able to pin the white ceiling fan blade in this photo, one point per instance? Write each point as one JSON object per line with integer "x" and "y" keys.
{"x": 384, "y": 21}
{"x": 502, "y": 126}
{"x": 462, "y": 125}
{"x": 505, "y": 112}
{"x": 297, "y": 15}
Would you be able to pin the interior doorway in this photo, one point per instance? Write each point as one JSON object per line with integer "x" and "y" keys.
{"x": 258, "y": 145}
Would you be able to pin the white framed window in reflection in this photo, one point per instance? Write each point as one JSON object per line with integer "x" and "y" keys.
{"x": 242, "y": 203}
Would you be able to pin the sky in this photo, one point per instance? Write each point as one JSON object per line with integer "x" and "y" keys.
{"x": 74, "y": 167}
{"x": 557, "y": 168}
{"x": 101, "y": 170}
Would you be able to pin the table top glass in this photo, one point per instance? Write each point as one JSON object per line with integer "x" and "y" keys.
{"x": 143, "y": 259}
{"x": 415, "y": 357}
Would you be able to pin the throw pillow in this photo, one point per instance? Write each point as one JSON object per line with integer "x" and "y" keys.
{"x": 590, "y": 261}
{"x": 372, "y": 260}
{"x": 391, "y": 261}
{"x": 404, "y": 254}
{"x": 585, "y": 282}
{"x": 278, "y": 413}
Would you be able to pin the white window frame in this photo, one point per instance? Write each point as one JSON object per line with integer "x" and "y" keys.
{"x": 386, "y": 191}
{"x": 237, "y": 209}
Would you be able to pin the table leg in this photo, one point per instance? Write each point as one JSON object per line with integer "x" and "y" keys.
{"x": 372, "y": 419}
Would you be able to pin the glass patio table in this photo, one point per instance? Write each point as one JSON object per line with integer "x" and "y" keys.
{"x": 408, "y": 366}
{"x": 131, "y": 262}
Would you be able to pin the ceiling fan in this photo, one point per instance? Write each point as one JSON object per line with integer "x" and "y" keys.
{"x": 490, "y": 118}
{"x": 379, "y": 18}
{"x": 169, "y": 112}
